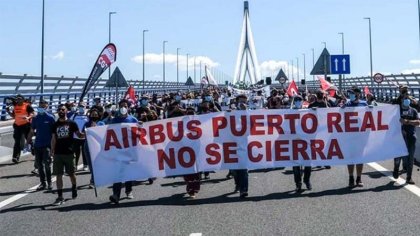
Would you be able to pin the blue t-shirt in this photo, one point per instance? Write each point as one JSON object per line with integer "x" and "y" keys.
{"x": 128, "y": 119}
{"x": 43, "y": 125}
{"x": 361, "y": 103}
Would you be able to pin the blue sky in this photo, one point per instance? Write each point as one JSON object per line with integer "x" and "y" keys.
{"x": 76, "y": 31}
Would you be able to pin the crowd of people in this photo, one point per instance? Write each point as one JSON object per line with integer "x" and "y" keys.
{"x": 60, "y": 139}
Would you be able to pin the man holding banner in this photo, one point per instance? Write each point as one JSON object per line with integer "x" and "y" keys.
{"x": 123, "y": 117}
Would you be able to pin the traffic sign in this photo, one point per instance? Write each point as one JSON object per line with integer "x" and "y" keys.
{"x": 378, "y": 78}
{"x": 282, "y": 80}
{"x": 281, "y": 77}
{"x": 340, "y": 64}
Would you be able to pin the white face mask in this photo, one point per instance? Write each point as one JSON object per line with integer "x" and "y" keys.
{"x": 298, "y": 104}
{"x": 123, "y": 111}
{"x": 108, "y": 110}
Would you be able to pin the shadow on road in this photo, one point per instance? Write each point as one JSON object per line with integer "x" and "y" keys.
{"x": 180, "y": 200}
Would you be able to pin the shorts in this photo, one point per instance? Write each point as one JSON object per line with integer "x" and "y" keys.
{"x": 64, "y": 161}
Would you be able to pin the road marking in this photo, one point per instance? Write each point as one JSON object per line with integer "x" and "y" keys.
{"x": 196, "y": 234}
{"x": 412, "y": 188}
{"x": 26, "y": 192}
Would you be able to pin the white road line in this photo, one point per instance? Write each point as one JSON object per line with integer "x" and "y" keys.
{"x": 196, "y": 234}
{"x": 412, "y": 188}
{"x": 26, "y": 192}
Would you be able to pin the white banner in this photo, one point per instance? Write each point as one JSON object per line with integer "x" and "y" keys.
{"x": 245, "y": 140}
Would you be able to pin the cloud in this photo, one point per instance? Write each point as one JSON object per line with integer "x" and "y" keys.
{"x": 59, "y": 56}
{"x": 272, "y": 68}
{"x": 411, "y": 71}
{"x": 153, "y": 58}
{"x": 414, "y": 61}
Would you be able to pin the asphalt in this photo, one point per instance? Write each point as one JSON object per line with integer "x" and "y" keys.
{"x": 382, "y": 207}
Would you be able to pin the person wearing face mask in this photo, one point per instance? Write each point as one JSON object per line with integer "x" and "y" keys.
{"x": 71, "y": 109}
{"x": 354, "y": 101}
{"x": 62, "y": 152}
{"x": 42, "y": 124}
{"x": 98, "y": 106}
{"x": 297, "y": 170}
{"x": 403, "y": 89}
{"x": 94, "y": 120}
{"x": 123, "y": 117}
{"x": 108, "y": 114}
{"x": 241, "y": 176}
{"x": 81, "y": 119}
{"x": 320, "y": 101}
{"x": 409, "y": 120}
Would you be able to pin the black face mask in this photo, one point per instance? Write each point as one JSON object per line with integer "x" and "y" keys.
{"x": 94, "y": 119}
{"x": 320, "y": 96}
{"x": 61, "y": 114}
{"x": 205, "y": 109}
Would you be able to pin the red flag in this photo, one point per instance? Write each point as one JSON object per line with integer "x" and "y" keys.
{"x": 292, "y": 90}
{"x": 367, "y": 90}
{"x": 327, "y": 86}
{"x": 130, "y": 95}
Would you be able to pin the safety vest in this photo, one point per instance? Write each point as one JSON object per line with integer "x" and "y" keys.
{"x": 20, "y": 114}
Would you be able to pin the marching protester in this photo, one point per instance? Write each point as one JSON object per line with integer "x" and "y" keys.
{"x": 193, "y": 181}
{"x": 22, "y": 112}
{"x": 297, "y": 170}
{"x": 122, "y": 117}
{"x": 409, "y": 120}
{"x": 241, "y": 176}
{"x": 98, "y": 106}
{"x": 42, "y": 124}
{"x": 80, "y": 118}
{"x": 62, "y": 144}
{"x": 354, "y": 101}
{"x": 108, "y": 113}
{"x": 94, "y": 120}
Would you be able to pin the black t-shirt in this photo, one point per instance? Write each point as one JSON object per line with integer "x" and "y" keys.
{"x": 409, "y": 114}
{"x": 318, "y": 104}
{"x": 64, "y": 131}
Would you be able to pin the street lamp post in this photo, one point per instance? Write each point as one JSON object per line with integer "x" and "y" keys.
{"x": 304, "y": 67}
{"x": 164, "y": 79}
{"x": 297, "y": 70}
{"x": 177, "y": 66}
{"x": 313, "y": 62}
{"x": 370, "y": 47}
{"x": 42, "y": 51}
{"x": 194, "y": 71}
{"x": 187, "y": 64}
{"x": 293, "y": 76}
{"x": 341, "y": 76}
{"x": 144, "y": 31}
{"x": 418, "y": 6}
{"x": 109, "y": 41}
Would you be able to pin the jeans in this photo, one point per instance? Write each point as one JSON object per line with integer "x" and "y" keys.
{"x": 43, "y": 160}
{"x": 241, "y": 180}
{"x": 78, "y": 147}
{"x": 88, "y": 160}
{"x": 116, "y": 188}
{"x": 193, "y": 183}
{"x": 18, "y": 133}
{"x": 408, "y": 161}
{"x": 297, "y": 171}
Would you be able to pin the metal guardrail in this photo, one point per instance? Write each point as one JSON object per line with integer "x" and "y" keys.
{"x": 59, "y": 90}
{"x": 384, "y": 92}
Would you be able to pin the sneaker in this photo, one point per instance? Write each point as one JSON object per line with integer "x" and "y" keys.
{"x": 41, "y": 187}
{"x": 308, "y": 185}
{"x": 298, "y": 188}
{"x": 327, "y": 167}
{"x": 130, "y": 195}
{"x": 114, "y": 199}
{"x": 191, "y": 196}
{"x": 236, "y": 189}
{"x": 229, "y": 176}
{"x": 15, "y": 160}
{"x": 34, "y": 171}
{"x": 150, "y": 181}
{"x": 59, "y": 201}
{"x": 244, "y": 195}
{"x": 351, "y": 182}
{"x": 395, "y": 174}
{"x": 85, "y": 168}
{"x": 50, "y": 187}
{"x": 359, "y": 182}
{"x": 409, "y": 181}
{"x": 74, "y": 193}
